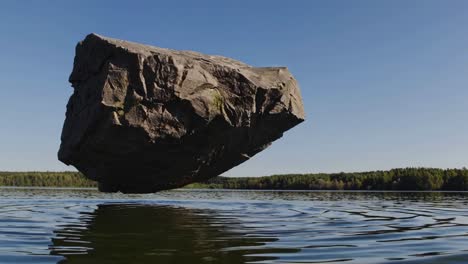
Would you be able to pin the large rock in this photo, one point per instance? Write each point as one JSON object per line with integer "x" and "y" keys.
{"x": 143, "y": 119}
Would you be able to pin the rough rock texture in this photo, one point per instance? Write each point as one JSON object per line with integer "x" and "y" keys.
{"x": 143, "y": 119}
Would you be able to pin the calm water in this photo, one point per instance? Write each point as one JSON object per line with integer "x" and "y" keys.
{"x": 200, "y": 226}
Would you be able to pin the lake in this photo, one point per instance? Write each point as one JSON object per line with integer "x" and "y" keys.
{"x": 221, "y": 226}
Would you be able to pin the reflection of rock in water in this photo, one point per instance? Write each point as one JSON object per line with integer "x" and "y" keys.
{"x": 155, "y": 234}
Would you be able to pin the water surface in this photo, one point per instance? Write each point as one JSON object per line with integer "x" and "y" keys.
{"x": 219, "y": 226}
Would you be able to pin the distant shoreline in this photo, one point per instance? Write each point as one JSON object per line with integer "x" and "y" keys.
{"x": 405, "y": 179}
{"x": 234, "y": 190}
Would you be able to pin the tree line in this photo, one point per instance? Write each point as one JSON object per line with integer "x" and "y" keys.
{"x": 45, "y": 179}
{"x": 415, "y": 179}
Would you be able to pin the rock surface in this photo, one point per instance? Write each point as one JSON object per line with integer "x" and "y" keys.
{"x": 143, "y": 119}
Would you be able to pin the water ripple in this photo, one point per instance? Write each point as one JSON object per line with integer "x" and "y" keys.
{"x": 191, "y": 226}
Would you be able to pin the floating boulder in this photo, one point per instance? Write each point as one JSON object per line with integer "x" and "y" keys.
{"x": 144, "y": 119}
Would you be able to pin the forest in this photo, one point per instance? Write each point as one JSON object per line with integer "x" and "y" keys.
{"x": 45, "y": 179}
{"x": 417, "y": 179}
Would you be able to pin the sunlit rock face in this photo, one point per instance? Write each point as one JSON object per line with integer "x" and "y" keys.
{"x": 143, "y": 119}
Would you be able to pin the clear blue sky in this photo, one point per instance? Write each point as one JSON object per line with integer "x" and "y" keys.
{"x": 384, "y": 83}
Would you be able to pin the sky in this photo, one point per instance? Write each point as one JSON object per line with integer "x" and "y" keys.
{"x": 384, "y": 83}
